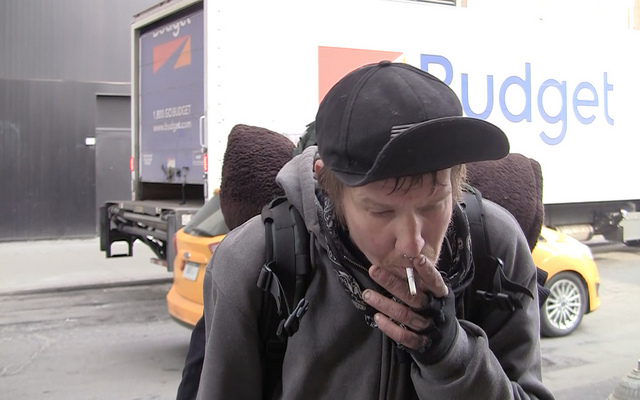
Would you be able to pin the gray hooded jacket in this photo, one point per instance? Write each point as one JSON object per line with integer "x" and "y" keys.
{"x": 335, "y": 354}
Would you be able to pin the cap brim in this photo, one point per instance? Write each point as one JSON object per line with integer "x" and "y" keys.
{"x": 432, "y": 146}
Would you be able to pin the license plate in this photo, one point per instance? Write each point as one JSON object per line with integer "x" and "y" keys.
{"x": 191, "y": 271}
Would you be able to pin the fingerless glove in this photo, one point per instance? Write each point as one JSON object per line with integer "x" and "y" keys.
{"x": 442, "y": 332}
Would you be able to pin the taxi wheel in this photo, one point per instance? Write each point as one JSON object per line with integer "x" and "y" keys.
{"x": 567, "y": 303}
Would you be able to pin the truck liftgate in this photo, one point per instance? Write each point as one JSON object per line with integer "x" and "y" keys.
{"x": 152, "y": 222}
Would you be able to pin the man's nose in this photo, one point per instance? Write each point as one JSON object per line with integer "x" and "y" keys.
{"x": 409, "y": 240}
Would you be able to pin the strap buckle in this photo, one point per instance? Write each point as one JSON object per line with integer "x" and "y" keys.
{"x": 268, "y": 282}
{"x": 290, "y": 325}
{"x": 504, "y": 291}
{"x": 502, "y": 300}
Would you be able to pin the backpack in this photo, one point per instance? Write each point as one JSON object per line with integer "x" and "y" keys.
{"x": 287, "y": 272}
{"x": 284, "y": 279}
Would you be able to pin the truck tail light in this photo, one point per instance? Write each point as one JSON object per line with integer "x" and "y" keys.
{"x": 175, "y": 244}
{"x": 175, "y": 251}
{"x": 205, "y": 163}
{"x": 132, "y": 164}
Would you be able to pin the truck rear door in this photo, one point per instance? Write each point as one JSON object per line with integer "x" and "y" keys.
{"x": 171, "y": 78}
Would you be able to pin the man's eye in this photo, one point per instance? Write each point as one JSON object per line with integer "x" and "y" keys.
{"x": 427, "y": 210}
{"x": 380, "y": 213}
{"x": 435, "y": 207}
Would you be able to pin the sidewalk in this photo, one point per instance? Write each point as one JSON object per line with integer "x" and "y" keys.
{"x": 53, "y": 265}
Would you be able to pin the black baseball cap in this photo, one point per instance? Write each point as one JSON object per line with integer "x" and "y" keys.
{"x": 389, "y": 120}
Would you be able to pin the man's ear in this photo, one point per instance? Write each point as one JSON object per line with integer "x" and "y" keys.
{"x": 317, "y": 166}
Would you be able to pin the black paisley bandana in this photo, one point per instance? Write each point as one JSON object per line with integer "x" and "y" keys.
{"x": 456, "y": 260}
{"x": 351, "y": 266}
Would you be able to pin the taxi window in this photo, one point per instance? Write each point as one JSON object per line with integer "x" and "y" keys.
{"x": 208, "y": 221}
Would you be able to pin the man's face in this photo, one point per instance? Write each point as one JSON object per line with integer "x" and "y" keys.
{"x": 386, "y": 224}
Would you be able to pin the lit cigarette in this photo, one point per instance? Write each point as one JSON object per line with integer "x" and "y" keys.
{"x": 412, "y": 282}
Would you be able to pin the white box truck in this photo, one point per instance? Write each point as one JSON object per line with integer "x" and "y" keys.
{"x": 562, "y": 79}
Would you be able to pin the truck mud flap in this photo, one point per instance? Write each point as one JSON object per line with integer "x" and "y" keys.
{"x": 630, "y": 224}
{"x": 109, "y": 236}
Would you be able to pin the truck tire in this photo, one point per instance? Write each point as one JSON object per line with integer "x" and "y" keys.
{"x": 567, "y": 303}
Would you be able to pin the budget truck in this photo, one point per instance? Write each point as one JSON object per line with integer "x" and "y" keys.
{"x": 562, "y": 80}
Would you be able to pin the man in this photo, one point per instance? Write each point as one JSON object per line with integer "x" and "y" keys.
{"x": 379, "y": 195}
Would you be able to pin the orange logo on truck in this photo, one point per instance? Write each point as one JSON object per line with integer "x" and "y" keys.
{"x": 336, "y": 62}
{"x": 163, "y": 52}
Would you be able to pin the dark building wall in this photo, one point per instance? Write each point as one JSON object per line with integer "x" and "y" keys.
{"x": 56, "y": 57}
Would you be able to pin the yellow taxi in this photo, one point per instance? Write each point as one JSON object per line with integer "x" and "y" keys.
{"x": 573, "y": 281}
{"x": 194, "y": 244}
{"x": 573, "y": 275}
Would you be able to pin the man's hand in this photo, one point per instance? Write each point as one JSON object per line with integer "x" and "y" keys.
{"x": 425, "y": 323}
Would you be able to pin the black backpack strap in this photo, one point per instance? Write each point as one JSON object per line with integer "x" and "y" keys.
{"x": 491, "y": 289}
{"x": 284, "y": 279}
{"x": 472, "y": 206}
{"x": 543, "y": 292}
